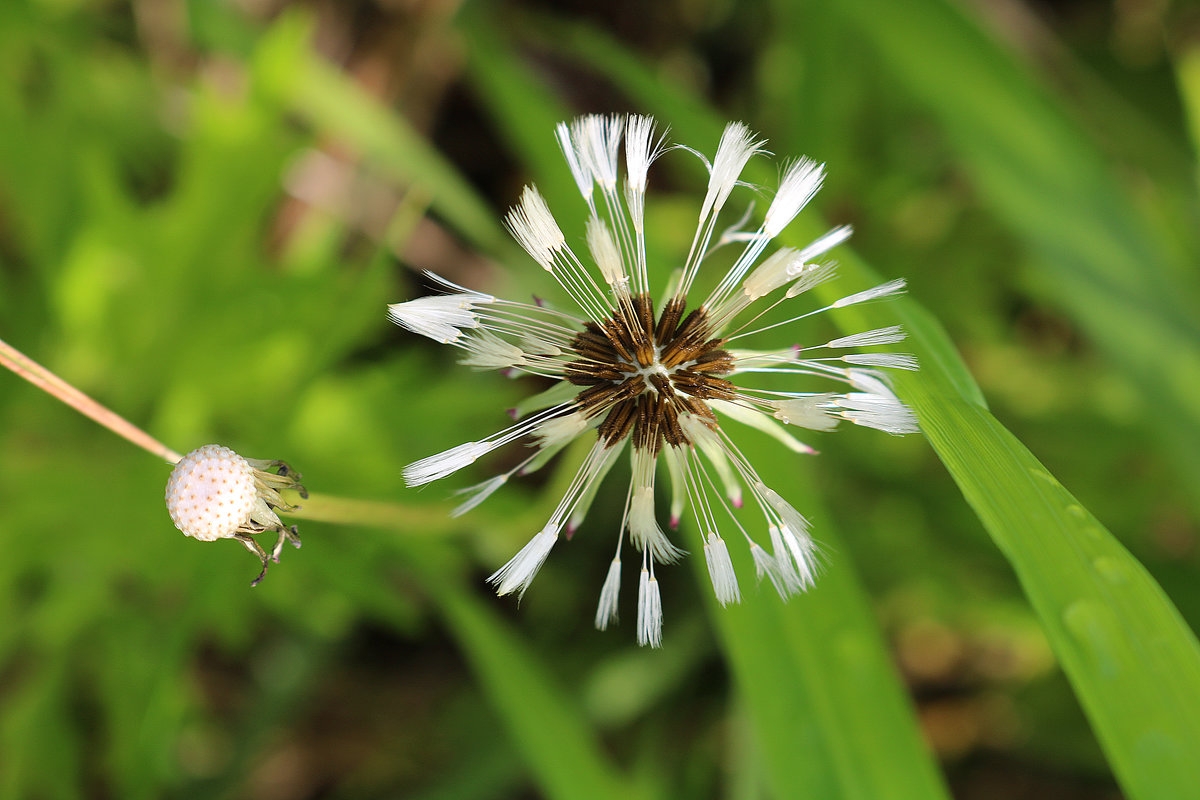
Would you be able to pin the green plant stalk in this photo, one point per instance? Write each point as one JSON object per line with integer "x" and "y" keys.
{"x": 1187, "y": 68}
{"x": 545, "y": 723}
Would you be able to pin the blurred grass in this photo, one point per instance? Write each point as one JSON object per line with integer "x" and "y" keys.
{"x": 1043, "y": 175}
{"x": 189, "y": 230}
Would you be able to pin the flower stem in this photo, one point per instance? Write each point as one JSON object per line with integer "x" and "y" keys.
{"x": 372, "y": 513}
{"x": 322, "y": 507}
{"x": 47, "y": 381}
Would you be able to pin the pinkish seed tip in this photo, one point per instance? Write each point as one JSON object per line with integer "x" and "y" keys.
{"x": 738, "y": 502}
{"x": 539, "y": 302}
{"x": 512, "y": 413}
{"x": 570, "y": 530}
{"x": 674, "y": 523}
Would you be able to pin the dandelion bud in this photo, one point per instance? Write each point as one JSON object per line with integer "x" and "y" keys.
{"x": 214, "y": 493}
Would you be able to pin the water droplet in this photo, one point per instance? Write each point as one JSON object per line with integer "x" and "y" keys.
{"x": 1092, "y": 628}
{"x": 1089, "y": 528}
{"x": 1038, "y": 472}
{"x": 1111, "y": 569}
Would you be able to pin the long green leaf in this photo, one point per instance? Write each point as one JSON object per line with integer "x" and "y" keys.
{"x": 1131, "y": 658}
{"x": 825, "y": 705}
{"x": 557, "y": 742}
{"x": 1187, "y": 68}
{"x": 546, "y": 725}
{"x": 1044, "y": 175}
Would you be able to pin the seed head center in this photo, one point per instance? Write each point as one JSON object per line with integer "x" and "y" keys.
{"x": 648, "y": 373}
{"x": 640, "y": 373}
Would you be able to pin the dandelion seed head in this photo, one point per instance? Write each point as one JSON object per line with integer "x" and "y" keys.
{"x": 668, "y": 380}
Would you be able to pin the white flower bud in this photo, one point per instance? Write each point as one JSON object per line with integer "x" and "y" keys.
{"x": 211, "y": 493}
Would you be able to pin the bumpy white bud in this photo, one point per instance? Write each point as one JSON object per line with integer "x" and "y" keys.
{"x": 211, "y": 493}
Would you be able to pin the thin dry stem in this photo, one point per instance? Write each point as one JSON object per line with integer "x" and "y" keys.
{"x": 327, "y": 508}
{"x": 50, "y": 383}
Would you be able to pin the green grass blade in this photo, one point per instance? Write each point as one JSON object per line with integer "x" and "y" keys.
{"x": 1132, "y": 660}
{"x": 546, "y": 725}
{"x": 828, "y": 713}
{"x": 1046, "y": 177}
{"x": 1130, "y": 657}
{"x": 557, "y": 742}
{"x": 1187, "y": 68}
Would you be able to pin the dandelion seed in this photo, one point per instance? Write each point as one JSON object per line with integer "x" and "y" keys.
{"x": 213, "y": 493}
{"x": 650, "y": 614}
{"x": 720, "y": 569}
{"x": 660, "y": 380}
{"x": 606, "y": 609}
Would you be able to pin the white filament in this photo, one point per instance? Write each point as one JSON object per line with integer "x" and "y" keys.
{"x": 649, "y": 628}
{"x": 720, "y": 570}
{"x": 873, "y": 338}
{"x": 826, "y": 242}
{"x": 447, "y": 462}
{"x": 881, "y": 412}
{"x": 806, "y": 412}
{"x": 606, "y": 610}
{"x": 882, "y": 290}
{"x": 477, "y": 494}
{"x": 598, "y": 139}
{"x": 736, "y": 148}
{"x": 887, "y": 360}
{"x": 604, "y": 252}
{"x": 800, "y": 183}
{"x": 644, "y": 532}
{"x": 516, "y": 575}
{"x": 579, "y": 171}
{"x": 533, "y": 226}
{"x": 440, "y": 317}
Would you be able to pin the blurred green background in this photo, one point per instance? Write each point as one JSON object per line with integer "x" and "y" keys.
{"x": 204, "y": 208}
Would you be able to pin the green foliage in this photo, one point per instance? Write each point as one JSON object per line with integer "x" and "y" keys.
{"x": 201, "y": 221}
